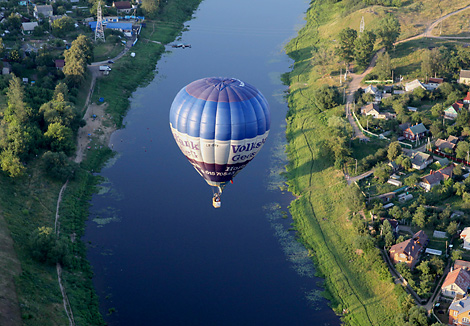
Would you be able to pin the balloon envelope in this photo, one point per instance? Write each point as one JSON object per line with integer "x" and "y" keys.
{"x": 220, "y": 124}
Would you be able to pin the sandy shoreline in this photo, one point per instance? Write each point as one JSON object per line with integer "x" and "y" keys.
{"x": 98, "y": 128}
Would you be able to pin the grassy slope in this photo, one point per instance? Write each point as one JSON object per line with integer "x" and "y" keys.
{"x": 319, "y": 213}
{"x": 30, "y": 201}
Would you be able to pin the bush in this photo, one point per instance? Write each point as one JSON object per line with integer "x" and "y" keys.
{"x": 58, "y": 166}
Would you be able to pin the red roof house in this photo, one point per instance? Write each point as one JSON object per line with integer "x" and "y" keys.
{"x": 456, "y": 282}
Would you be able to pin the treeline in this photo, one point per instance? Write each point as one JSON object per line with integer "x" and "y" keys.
{"x": 38, "y": 119}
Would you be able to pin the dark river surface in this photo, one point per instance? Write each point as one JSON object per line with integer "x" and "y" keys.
{"x": 162, "y": 255}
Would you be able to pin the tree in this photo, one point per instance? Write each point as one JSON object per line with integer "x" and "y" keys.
{"x": 412, "y": 180}
{"x": 353, "y": 198}
{"x": 322, "y": 59}
{"x": 437, "y": 264}
{"x": 404, "y": 161}
{"x": 389, "y": 30}
{"x": 76, "y": 59}
{"x": 364, "y": 45}
{"x": 394, "y": 150}
{"x": 75, "y": 66}
{"x": 150, "y": 7}
{"x": 347, "y": 37}
{"x": 63, "y": 25}
{"x": 326, "y": 97}
{"x": 382, "y": 173}
{"x": 60, "y": 138}
{"x": 85, "y": 45}
{"x": 457, "y": 254}
{"x": 10, "y": 163}
{"x": 46, "y": 247}
{"x": 59, "y": 111}
{"x": 457, "y": 170}
{"x": 61, "y": 88}
{"x": 383, "y": 66}
{"x": 452, "y": 228}
{"x": 17, "y": 108}
{"x": 419, "y": 217}
{"x": 58, "y": 166}
{"x": 462, "y": 149}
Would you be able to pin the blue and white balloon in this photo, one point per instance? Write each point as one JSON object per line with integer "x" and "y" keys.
{"x": 220, "y": 124}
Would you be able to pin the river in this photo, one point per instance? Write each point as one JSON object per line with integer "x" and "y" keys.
{"x": 162, "y": 255}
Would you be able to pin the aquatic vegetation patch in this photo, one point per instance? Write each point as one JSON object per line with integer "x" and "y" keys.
{"x": 106, "y": 216}
{"x": 278, "y": 160}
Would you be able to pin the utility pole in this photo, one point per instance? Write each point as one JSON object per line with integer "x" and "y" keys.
{"x": 361, "y": 27}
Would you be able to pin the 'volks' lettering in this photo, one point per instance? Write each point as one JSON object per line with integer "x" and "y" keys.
{"x": 248, "y": 147}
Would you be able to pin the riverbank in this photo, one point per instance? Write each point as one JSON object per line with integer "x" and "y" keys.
{"x": 358, "y": 284}
{"x": 30, "y": 201}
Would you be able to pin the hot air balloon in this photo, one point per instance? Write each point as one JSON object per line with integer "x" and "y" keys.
{"x": 219, "y": 124}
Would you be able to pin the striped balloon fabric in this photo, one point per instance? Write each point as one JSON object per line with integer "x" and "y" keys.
{"x": 220, "y": 124}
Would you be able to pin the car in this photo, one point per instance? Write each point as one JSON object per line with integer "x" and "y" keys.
{"x": 110, "y": 61}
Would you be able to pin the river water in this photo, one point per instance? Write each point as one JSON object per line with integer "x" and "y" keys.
{"x": 162, "y": 255}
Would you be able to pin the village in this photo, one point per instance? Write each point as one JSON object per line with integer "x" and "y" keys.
{"x": 417, "y": 189}
{"x": 36, "y": 35}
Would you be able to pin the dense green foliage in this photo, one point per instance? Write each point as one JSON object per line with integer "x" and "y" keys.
{"x": 38, "y": 125}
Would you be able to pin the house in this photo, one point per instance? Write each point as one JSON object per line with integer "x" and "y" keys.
{"x": 435, "y": 177}
{"x": 122, "y": 6}
{"x": 444, "y": 146}
{"x": 6, "y": 69}
{"x": 44, "y": 10}
{"x": 59, "y": 64}
{"x": 415, "y": 132}
{"x": 452, "y": 111}
{"x": 122, "y": 27}
{"x": 465, "y": 236}
{"x": 466, "y": 99}
{"x": 443, "y": 162}
{"x": 464, "y": 77}
{"x": 28, "y": 27}
{"x": 453, "y": 139}
{"x": 420, "y": 160}
{"x": 459, "y": 311}
{"x": 456, "y": 282}
{"x": 110, "y": 19}
{"x": 372, "y": 109}
{"x": 393, "y": 165}
{"x": 371, "y": 89}
{"x": 408, "y": 251}
{"x": 462, "y": 264}
{"x": 412, "y": 85}
{"x": 433, "y": 83}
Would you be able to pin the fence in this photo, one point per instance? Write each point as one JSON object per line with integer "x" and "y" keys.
{"x": 452, "y": 158}
{"x": 375, "y": 135}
